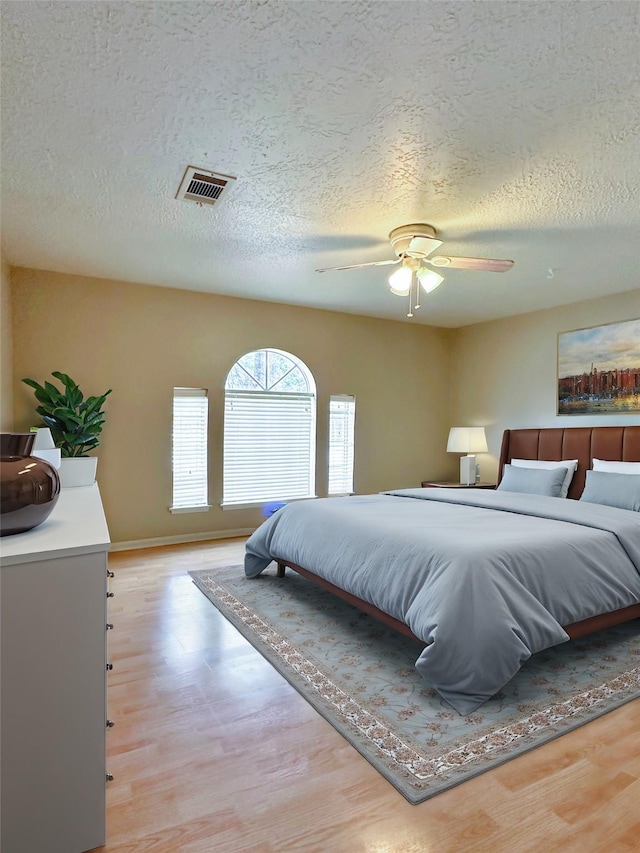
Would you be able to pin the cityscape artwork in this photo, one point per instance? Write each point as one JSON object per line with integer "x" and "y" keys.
{"x": 599, "y": 370}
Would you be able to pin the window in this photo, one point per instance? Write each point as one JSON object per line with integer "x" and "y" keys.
{"x": 269, "y": 429}
{"x": 189, "y": 450}
{"x": 342, "y": 416}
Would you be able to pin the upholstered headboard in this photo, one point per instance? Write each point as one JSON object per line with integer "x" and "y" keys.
{"x": 620, "y": 443}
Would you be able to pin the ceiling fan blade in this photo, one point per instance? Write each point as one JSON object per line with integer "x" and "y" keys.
{"x": 357, "y": 266}
{"x": 422, "y": 246}
{"x": 486, "y": 264}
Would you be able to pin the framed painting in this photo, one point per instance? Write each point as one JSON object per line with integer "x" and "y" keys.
{"x": 599, "y": 370}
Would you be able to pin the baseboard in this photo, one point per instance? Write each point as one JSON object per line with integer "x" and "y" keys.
{"x": 158, "y": 541}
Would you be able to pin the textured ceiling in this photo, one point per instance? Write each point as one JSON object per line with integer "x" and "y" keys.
{"x": 512, "y": 127}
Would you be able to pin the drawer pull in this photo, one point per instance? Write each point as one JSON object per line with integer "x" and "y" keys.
{"x": 110, "y": 724}
{"x": 109, "y": 626}
{"x": 110, "y": 594}
{"x": 109, "y": 667}
{"x": 110, "y": 574}
{"x": 109, "y": 777}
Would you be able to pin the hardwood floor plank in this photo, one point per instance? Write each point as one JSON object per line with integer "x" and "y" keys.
{"x": 214, "y": 752}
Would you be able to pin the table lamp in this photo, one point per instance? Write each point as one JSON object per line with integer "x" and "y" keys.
{"x": 469, "y": 440}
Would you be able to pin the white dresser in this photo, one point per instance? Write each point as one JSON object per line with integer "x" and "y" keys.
{"x": 53, "y": 603}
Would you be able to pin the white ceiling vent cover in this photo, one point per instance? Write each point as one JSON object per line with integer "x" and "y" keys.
{"x": 204, "y": 186}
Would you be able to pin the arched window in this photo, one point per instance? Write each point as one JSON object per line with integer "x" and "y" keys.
{"x": 269, "y": 429}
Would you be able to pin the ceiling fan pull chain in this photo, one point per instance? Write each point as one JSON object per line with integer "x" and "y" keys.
{"x": 410, "y": 313}
{"x": 417, "y": 284}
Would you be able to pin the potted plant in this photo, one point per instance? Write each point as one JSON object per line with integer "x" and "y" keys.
{"x": 75, "y": 425}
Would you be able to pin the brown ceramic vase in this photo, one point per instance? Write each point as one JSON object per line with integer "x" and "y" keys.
{"x": 29, "y": 487}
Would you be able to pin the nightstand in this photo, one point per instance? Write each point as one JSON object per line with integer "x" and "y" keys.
{"x": 444, "y": 485}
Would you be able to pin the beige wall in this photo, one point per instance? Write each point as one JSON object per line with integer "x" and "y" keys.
{"x": 142, "y": 341}
{"x": 6, "y": 350}
{"x": 503, "y": 373}
{"x": 411, "y": 382}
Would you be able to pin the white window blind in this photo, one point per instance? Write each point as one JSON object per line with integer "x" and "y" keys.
{"x": 189, "y": 449}
{"x": 342, "y": 416}
{"x": 269, "y": 446}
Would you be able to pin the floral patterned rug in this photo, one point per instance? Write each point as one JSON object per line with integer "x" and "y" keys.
{"x": 360, "y": 676}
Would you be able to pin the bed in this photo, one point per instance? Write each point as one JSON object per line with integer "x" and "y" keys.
{"x": 481, "y": 579}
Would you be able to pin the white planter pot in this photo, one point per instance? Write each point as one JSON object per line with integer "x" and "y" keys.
{"x": 51, "y": 456}
{"x": 78, "y": 471}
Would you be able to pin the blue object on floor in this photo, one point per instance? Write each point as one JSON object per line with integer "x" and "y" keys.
{"x": 271, "y": 507}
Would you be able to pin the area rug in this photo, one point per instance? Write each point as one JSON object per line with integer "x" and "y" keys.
{"x": 360, "y": 676}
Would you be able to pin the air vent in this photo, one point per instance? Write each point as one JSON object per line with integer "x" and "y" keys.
{"x": 203, "y": 186}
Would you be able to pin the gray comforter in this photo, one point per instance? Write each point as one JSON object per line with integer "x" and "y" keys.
{"x": 485, "y": 579}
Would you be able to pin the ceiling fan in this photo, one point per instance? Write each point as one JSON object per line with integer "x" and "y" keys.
{"x": 412, "y": 245}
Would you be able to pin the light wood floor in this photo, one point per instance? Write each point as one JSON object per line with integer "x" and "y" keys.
{"x": 213, "y": 752}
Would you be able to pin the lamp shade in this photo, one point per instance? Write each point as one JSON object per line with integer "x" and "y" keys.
{"x": 400, "y": 281}
{"x": 429, "y": 279}
{"x": 467, "y": 440}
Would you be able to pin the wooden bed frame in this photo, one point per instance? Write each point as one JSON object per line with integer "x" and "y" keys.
{"x": 581, "y": 443}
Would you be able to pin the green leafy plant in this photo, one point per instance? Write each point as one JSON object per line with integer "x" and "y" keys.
{"x": 75, "y": 423}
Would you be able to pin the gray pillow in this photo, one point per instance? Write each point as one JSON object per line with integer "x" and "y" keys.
{"x": 533, "y": 481}
{"x": 621, "y": 490}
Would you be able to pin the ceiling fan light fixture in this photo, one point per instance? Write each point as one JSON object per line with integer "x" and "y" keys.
{"x": 400, "y": 281}
{"x": 429, "y": 279}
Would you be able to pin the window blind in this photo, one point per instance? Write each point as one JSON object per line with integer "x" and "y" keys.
{"x": 189, "y": 448}
{"x": 269, "y": 446}
{"x": 342, "y": 415}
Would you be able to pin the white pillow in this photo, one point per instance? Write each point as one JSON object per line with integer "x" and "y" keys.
{"x": 616, "y": 467}
{"x": 570, "y": 464}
